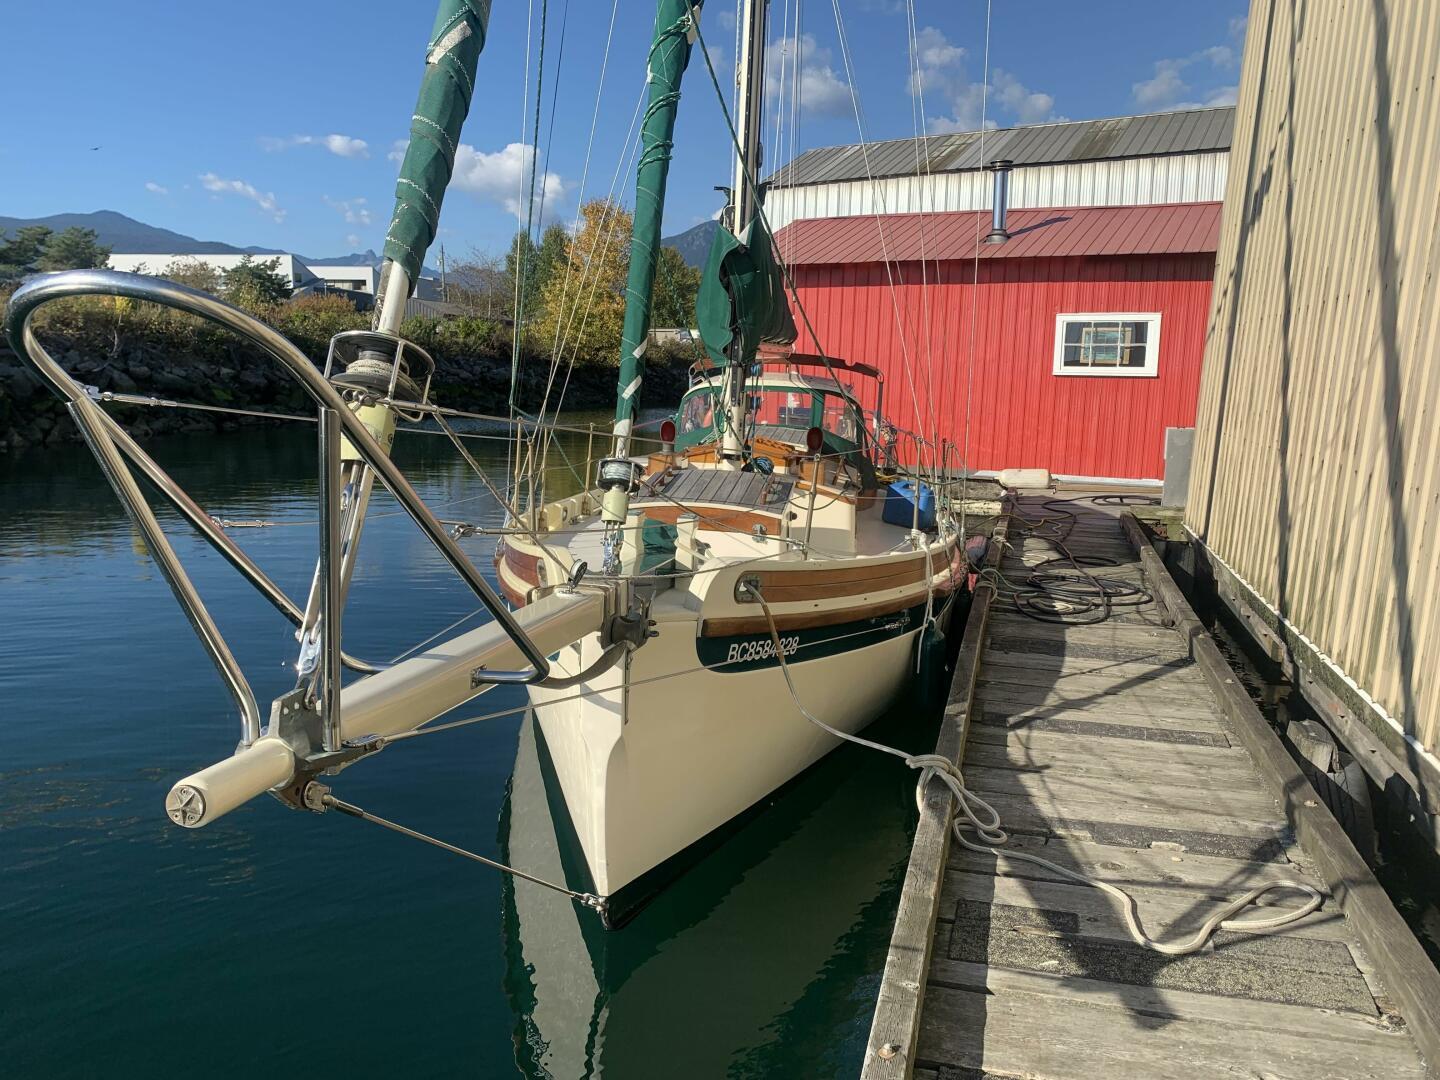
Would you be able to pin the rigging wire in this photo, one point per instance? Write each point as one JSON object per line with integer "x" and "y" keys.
{"x": 519, "y": 200}
{"x": 878, "y": 196}
{"x": 965, "y": 458}
{"x": 555, "y": 350}
{"x": 924, "y": 181}
{"x": 550, "y": 127}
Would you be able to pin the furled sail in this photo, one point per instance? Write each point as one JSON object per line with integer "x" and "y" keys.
{"x": 669, "y": 55}
{"x": 445, "y": 93}
{"x": 742, "y": 296}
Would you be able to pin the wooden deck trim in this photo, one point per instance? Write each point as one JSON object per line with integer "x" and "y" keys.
{"x": 711, "y": 517}
{"x": 907, "y": 964}
{"x": 1400, "y": 962}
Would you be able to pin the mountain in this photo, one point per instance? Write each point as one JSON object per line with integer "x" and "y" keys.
{"x": 355, "y": 258}
{"x": 125, "y": 235}
{"x": 693, "y": 244}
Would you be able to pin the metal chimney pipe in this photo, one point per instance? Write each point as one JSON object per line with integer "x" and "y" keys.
{"x": 999, "y": 202}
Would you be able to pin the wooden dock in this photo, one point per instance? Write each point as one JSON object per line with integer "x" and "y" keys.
{"x": 1118, "y": 750}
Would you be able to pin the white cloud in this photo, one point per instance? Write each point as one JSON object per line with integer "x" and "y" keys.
{"x": 1028, "y": 106}
{"x": 1169, "y": 89}
{"x": 397, "y": 150}
{"x": 353, "y": 240}
{"x": 346, "y": 146}
{"x": 264, "y": 200}
{"x": 354, "y": 211}
{"x": 498, "y": 177}
{"x": 960, "y": 102}
{"x": 822, "y": 89}
{"x": 156, "y": 189}
{"x": 934, "y": 51}
{"x": 1165, "y": 87}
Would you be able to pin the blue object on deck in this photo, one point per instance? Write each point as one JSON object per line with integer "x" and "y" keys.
{"x": 900, "y": 503}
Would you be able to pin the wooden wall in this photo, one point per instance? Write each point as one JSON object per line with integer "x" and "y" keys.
{"x": 1317, "y": 453}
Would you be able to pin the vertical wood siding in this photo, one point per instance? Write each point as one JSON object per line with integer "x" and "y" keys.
{"x": 1317, "y": 456}
{"x": 991, "y": 392}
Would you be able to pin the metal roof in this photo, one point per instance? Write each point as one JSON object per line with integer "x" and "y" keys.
{"x": 1176, "y": 229}
{"x": 1185, "y": 132}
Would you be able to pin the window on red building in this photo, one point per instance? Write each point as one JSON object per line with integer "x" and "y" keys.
{"x": 1107, "y": 343}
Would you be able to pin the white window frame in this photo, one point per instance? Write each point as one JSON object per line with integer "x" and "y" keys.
{"x": 1152, "y": 344}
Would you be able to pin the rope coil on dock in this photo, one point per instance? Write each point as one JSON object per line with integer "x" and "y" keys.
{"x": 975, "y": 813}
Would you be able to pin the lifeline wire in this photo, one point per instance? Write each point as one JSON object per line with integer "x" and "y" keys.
{"x": 985, "y": 820}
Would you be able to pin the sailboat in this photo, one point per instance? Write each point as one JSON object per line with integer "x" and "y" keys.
{"x": 680, "y": 625}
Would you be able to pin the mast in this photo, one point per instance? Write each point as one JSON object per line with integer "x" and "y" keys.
{"x": 669, "y": 55}
{"x": 744, "y": 202}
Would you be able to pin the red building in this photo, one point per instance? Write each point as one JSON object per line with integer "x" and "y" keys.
{"x": 1073, "y": 345}
{"x": 1070, "y": 347}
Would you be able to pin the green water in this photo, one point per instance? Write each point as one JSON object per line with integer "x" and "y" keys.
{"x": 277, "y": 942}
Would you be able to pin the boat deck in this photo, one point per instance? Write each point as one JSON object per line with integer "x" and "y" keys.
{"x": 1105, "y": 748}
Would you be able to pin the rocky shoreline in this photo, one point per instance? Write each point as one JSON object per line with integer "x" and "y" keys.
{"x": 31, "y": 415}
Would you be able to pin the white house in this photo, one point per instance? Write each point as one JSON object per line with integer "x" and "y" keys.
{"x": 289, "y": 266}
{"x": 360, "y": 278}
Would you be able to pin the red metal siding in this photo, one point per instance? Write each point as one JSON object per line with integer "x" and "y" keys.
{"x": 999, "y": 375}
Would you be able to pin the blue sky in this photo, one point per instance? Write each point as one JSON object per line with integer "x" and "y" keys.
{"x": 275, "y": 124}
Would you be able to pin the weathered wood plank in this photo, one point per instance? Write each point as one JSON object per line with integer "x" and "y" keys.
{"x": 1165, "y": 913}
{"x": 902, "y": 987}
{"x": 1311, "y": 972}
{"x": 997, "y": 659}
{"x": 1179, "y": 681}
{"x": 1090, "y": 742}
{"x": 1075, "y": 816}
{"x": 1347, "y": 1031}
{"x": 1399, "y": 959}
{"x": 1062, "y": 786}
{"x": 1100, "y": 722}
{"x": 1019, "y": 1034}
{"x": 1113, "y": 727}
{"x": 1228, "y": 770}
{"x": 1116, "y": 696}
{"x": 1161, "y": 869}
{"x": 1167, "y": 651}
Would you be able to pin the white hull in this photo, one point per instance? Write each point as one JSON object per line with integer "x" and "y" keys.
{"x": 648, "y": 768}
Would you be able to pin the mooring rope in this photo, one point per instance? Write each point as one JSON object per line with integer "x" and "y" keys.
{"x": 985, "y": 820}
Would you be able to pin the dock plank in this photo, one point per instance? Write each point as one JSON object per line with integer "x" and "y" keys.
{"x": 1023, "y": 1024}
{"x": 1105, "y": 749}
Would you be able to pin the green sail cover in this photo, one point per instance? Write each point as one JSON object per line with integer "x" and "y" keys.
{"x": 669, "y": 54}
{"x": 445, "y": 93}
{"x": 742, "y": 293}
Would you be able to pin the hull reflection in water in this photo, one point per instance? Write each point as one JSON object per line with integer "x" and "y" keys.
{"x": 772, "y": 942}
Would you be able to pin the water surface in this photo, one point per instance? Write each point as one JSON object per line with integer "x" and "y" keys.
{"x": 275, "y": 940}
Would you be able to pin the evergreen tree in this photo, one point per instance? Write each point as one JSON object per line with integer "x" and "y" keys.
{"x": 672, "y": 304}
{"x": 19, "y": 255}
{"x": 553, "y": 252}
{"x": 521, "y": 263}
{"x": 73, "y": 249}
